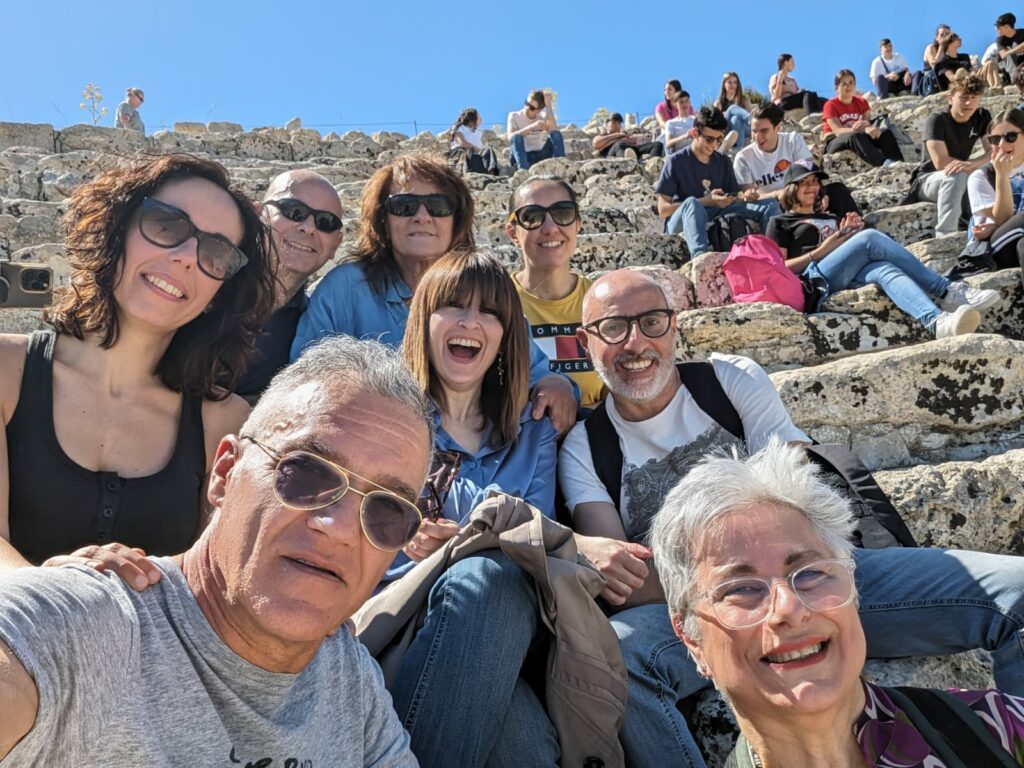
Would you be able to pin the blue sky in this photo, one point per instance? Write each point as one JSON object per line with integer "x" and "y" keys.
{"x": 387, "y": 64}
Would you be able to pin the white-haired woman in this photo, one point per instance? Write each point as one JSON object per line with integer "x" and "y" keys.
{"x": 755, "y": 561}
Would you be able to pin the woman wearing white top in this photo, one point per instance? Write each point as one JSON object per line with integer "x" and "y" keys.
{"x": 996, "y": 192}
{"x": 466, "y": 149}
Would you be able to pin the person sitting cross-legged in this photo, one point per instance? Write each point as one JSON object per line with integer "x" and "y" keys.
{"x": 616, "y": 142}
{"x": 846, "y": 123}
{"x": 533, "y": 133}
{"x": 616, "y": 467}
{"x": 698, "y": 185}
{"x": 890, "y": 72}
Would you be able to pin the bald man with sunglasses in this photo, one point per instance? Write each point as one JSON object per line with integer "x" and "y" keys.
{"x": 304, "y": 213}
{"x": 237, "y": 654}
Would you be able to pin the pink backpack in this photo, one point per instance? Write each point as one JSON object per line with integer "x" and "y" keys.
{"x": 756, "y": 271}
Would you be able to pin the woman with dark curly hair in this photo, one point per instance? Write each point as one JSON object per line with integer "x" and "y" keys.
{"x": 414, "y": 210}
{"x": 113, "y": 417}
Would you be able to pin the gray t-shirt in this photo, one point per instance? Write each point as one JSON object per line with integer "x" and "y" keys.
{"x": 124, "y": 109}
{"x": 142, "y": 679}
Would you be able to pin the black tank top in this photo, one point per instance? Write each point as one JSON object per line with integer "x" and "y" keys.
{"x": 57, "y": 506}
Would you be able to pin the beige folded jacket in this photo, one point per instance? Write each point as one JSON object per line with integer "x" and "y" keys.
{"x": 585, "y": 691}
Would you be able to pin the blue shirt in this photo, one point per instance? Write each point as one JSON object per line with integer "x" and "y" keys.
{"x": 524, "y": 467}
{"x": 345, "y": 302}
{"x": 685, "y": 176}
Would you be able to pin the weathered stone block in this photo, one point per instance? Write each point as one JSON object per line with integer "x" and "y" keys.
{"x": 19, "y": 175}
{"x": 191, "y": 129}
{"x": 38, "y": 135}
{"x": 220, "y": 126}
{"x": 905, "y": 224}
{"x": 118, "y": 141}
{"x": 709, "y": 283}
{"x": 603, "y": 252}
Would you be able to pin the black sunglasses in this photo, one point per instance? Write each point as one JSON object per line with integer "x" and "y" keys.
{"x": 437, "y": 205}
{"x": 712, "y": 139}
{"x": 168, "y": 227}
{"x": 1010, "y": 137}
{"x": 306, "y": 481}
{"x": 653, "y": 324}
{"x": 296, "y": 210}
{"x": 563, "y": 213}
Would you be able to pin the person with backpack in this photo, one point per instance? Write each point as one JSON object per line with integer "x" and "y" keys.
{"x": 833, "y": 254}
{"x": 697, "y": 185}
{"x": 758, "y": 569}
{"x": 949, "y": 139}
{"x": 658, "y": 421}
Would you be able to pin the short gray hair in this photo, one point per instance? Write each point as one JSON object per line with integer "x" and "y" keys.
{"x": 342, "y": 360}
{"x": 778, "y": 474}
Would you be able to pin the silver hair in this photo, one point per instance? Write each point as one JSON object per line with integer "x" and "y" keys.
{"x": 340, "y": 361}
{"x": 777, "y": 474}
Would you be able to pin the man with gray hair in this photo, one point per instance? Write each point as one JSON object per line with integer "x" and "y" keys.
{"x": 658, "y": 421}
{"x": 304, "y": 213}
{"x": 238, "y": 655}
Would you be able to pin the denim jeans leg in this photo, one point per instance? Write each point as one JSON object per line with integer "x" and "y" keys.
{"x": 557, "y": 144}
{"x": 871, "y": 257}
{"x": 526, "y": 732}
{"x": 763, "y": 211}
{"x": 481, "y": 618}
{"x": 739, "y": 121}
{"x": 661, "y": 673}
{"x": 933, "y": 602}
{"x": 517, "y": 146}
{"x": 692, "y": 219}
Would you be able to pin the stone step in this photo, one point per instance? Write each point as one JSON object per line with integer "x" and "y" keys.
{"x": 854, "y": 322}
{"x": 945, "y": 400}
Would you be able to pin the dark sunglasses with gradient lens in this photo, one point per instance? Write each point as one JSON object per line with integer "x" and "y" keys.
{"x": 296, "y": 210}
{"x": 1010, "y": 137}
{"x": 168, "y": 227}
{"x": 713, "y": 140}
{"x": 614, "y": 330}
{"x": 308, "y": 482}
{"x": 437, "y": 205}
{"x": 563, "y": 213}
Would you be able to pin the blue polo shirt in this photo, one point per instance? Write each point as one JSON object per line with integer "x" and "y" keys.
{"x": 524, "y": 467}
{"x": 345, "y": 302}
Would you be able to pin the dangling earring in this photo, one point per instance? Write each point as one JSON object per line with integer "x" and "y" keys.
{"x": 501, "y": 370}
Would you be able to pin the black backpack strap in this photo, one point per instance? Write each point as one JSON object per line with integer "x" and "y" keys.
{"x": 951, "y": 728}
{"x": 706, "y": 390}
{"x": 605, "y": 451}
{"x": 870, "y": 502}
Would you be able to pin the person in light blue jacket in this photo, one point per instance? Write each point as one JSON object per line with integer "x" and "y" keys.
{"x": 413, "y": 211}
{"x": 467, "y": 347}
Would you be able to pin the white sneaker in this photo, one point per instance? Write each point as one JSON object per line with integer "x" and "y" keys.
{"x": 956, "y": 323}
{"x": 728, "y": 142}
{"x": 961, "y": 294}
{"x": 630, "y": 154}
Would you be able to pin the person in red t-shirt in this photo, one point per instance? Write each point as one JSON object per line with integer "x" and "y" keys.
{"x": 847, "y": 124}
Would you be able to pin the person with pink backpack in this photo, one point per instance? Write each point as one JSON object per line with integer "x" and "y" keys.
{"x": 832, "y": 254}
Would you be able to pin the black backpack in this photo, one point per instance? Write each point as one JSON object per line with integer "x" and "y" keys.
{"x": 878, "y": 523}
{"x": 727, "y": 229}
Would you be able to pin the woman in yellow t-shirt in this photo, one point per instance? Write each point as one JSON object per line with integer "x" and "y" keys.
{"x": 543, "y": 221}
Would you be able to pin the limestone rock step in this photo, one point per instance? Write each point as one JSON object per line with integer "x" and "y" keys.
{"x": 853, "y": 322}
{"x": 944, "y": 400}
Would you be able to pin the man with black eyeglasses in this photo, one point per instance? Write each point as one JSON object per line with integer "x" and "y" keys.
{"x": 533, "y": 133}
{"x": 698, "y": 185}
{"x": 304, "y": 213}
{"x": 237, "y": 653}
{"x": 658, "y": 421}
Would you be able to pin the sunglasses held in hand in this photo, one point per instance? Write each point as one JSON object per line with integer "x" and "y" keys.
{"x": 306, "y": 481}
{"x": 165, "y": 226}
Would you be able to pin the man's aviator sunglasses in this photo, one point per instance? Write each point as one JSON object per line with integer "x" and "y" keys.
{"x": 563, "y": 213}
{"x": 165, "y": 226}
{"x": 296, "y": 210}
{"x": 437, "y": 205}
{"x": 614, "y": 330}
{"x": 308, "y": 482}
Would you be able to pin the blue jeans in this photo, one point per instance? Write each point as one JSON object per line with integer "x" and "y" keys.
{"x": 871, "y": 257}
{"x": 458, "y": 692}
{"x": 691, "y": 218}
{"x": 553, "y": 147}
{"x": 739, "y": 121}
{"x": 913, "y": 602}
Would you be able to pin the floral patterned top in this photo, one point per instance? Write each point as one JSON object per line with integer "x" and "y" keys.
{"x": 889, "y": 740}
